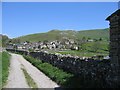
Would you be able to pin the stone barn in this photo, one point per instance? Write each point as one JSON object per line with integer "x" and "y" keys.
{"x": 114, "y": 20}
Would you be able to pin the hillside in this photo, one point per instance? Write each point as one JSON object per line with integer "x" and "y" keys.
{"x": 58, "y": 35}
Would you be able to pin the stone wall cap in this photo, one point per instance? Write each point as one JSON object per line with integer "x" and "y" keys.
{"x": 116, "y": 12}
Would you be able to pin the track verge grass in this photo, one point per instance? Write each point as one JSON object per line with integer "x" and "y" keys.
{"x": 56, "y": 74}
{"x": 29, "y": 79}
{"x": 5, "y": 63}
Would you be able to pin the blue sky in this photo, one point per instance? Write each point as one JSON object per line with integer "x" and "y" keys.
{"x": 22, "y": 18}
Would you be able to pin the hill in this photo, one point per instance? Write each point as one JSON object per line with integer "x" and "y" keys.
{"x": 70, "y": 34}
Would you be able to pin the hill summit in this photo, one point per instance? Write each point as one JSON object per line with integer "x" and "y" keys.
{"x": 69, "y": 34}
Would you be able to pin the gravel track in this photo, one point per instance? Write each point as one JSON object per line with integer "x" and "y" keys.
{"x": 16, "y": 78}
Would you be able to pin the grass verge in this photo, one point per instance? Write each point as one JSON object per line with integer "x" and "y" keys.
{"x": 5, "y": 56}
{"x": 0, "y": 70}
{"x": 29, "y": 80}
{"x": 57, "y": 75}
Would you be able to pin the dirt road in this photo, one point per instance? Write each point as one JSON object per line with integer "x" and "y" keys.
{"x": 17, "y": 79}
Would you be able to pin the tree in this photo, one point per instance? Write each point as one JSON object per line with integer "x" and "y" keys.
{"x": 15, "y": 46}
{"x": 82, "y": 43}
{"x": 39, "y": 41}
{"x": 5, "y": 39}
{"x": 15, "y": 41}
{"x": 100, "y": 39}
{"x": 45, "y": 42}
{"x": 84, "y": 39}
{"x": 39, "y": 47}
{"x": 28, "y": 41}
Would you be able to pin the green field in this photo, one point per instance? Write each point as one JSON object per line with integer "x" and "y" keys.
{"x": 5, "y": 63}
{"x": 81, "y": 54}
{"x": 88, "y": 49}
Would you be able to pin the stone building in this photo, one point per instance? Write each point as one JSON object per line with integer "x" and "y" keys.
{"x": 114, "y": 20}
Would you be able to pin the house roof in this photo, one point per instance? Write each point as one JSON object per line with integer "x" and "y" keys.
{"x": 116, "y": 12}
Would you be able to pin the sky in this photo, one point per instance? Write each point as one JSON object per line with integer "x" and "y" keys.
{"x": 60, "y": 0}
{"x": 22, "y": 18}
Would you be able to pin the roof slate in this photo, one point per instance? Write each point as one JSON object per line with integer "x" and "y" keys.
{"x": 116, "y": 12}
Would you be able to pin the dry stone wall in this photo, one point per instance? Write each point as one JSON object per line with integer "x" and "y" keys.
{"x": 73, "y": 64}
{"x": 89, "y": 69}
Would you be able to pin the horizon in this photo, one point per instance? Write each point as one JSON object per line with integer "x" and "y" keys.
{"x": 26, "y": 18}
{"x": 57, "y": 30}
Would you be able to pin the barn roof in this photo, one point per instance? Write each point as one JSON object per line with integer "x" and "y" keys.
{"x": 116, "y": 12}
